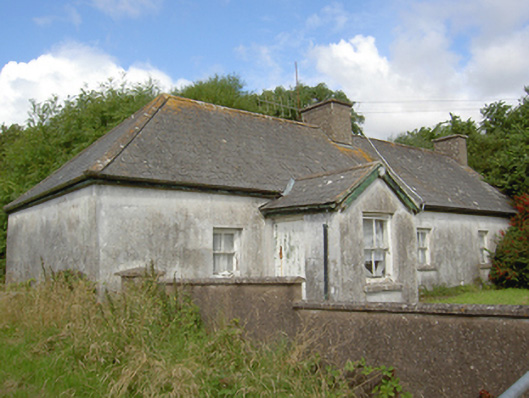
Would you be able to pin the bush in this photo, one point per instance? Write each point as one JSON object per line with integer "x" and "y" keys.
{"x": 510, "y": 262}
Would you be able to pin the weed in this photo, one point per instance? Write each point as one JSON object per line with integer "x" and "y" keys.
{"x": 61, "y": 337}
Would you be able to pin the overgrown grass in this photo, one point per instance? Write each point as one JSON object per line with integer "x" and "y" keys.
{"x": 58, "y": 339}
{"x": 475, "y": 294}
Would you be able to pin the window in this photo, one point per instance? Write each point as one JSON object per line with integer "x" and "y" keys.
{"x": 423, "y": 246}
{"x": 225, "y": 247}
{"x": 483, "y": 252}
{"x": 376, "y": 246}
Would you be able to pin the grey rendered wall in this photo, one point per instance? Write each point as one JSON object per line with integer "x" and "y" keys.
{"x": 437, "y": 350}
{"x": 60, "y": 234}
{"x": 454, "y": 246}
{"x": 349, "y": 280}
{"x": 174, "y": 231}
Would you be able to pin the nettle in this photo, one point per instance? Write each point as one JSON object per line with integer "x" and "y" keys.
{"x": 510, "y": 262}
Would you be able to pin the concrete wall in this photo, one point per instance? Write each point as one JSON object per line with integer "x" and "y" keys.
{"x": 102, "y": 229}
{"x": 438, "y": 350}
{"x": 346, "y": 275}
{"x": 400, "y": 284}
{"x": 59, "y": 234}
{"x": 263, "y": 306}
{"x": 174, "y": 231}
{"x": 455, "y": 247}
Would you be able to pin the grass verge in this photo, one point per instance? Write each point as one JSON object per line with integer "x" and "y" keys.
{"x": 475, "y": 294}
{"x": 58, "y": 339}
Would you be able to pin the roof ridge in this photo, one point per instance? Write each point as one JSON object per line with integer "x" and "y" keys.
{"x": 329, "y": 173}
{"x": 403, "y": 145}
{"x": 227, "y": 108}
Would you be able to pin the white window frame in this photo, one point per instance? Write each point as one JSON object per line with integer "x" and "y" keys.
{"x": 385, "y": 247}
{"x": 483, "y": 247}
{"x": 424, "y": 248}
{"x": 223, "y": 251}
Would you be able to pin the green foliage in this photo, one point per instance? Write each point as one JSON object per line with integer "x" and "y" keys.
{"x": 57, "y": 339}
{"x": 379, "y": 382}
{"x": 498, "y": 148}
{"x": 479, "y": 293}
{"x": 221, "y": 90}
{"x": 286, "y": 103}
{"x": 279, "y": 102}
{"x": 510, "y": 262}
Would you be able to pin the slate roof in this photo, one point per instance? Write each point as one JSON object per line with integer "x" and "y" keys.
{"x": 322, "y": 190}
{"x": 177, "y": 142}
{"x": 180, "y": 142}
{"x": 439, "y": 181}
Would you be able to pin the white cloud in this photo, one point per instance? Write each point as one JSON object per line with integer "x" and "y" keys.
{"x": 448, "y": 50}
{"x": 501, "y": 65}
{"x": 127, "y": 8}
{"x": 71, "y": 15}
{"x": 332, "y": 15}
{"x": 63, "y": 72}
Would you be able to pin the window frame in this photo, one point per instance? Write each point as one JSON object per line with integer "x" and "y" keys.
{"x": 483, "y": 247}
{"x": 385, "y": 247}
{"x": 234, "y": 252}
{"x": 425, "y": 248}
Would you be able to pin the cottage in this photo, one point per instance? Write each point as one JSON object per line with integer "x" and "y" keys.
{"x": 201, "y": 190}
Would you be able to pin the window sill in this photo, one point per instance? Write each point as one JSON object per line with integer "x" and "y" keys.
{"x": 426, "y": 267}
{"x": 382, "y": 286}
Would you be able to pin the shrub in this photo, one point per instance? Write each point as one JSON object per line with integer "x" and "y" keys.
{"x": 510, "y": 262}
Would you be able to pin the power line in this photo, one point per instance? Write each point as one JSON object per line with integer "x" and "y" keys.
{"x": 435, "y": 100}
{"x": 420, "y": 111}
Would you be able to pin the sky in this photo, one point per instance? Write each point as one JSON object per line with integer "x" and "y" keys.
{"x": 405, "y": 63}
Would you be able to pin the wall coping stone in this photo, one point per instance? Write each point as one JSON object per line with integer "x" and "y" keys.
{"x": 465, "y": 310}
{"x": 139, "y": 272}
{"x": 275, "y": 280}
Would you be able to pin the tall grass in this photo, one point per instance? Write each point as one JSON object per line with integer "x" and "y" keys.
{"x": 58, "y": 339}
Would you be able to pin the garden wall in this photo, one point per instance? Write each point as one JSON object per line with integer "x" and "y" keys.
{"x": 438, "y": 350}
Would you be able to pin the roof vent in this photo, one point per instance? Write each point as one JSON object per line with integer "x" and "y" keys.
{"x": 333, "y": 117}
{"x": 453, "y": 146}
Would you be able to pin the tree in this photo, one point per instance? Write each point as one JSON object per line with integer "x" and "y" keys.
{"x": 279, "y": 102}
{"x": 510, "y": 262}
{"x": 220, "y": 90}
{"x": 498, "y": 148}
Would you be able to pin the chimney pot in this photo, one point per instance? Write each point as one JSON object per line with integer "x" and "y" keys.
{"x": 333, "y": 117}
{"x": 453, "y": 146}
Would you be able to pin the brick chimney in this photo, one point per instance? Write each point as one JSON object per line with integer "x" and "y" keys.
{"x": 333, "y": 117}
{"x": 454, "y": 146}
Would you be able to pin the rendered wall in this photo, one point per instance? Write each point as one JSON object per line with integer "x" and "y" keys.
{"x": 437, "y": 350}
{"x": 58, "y": 234}
{"x": 454, "y": 247}
{"x": 346, "y": 276}
{"x": 174, "y": 231}
{"x": 263, "y": 306}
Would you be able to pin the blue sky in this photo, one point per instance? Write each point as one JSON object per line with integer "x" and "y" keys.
{"x": 407, "y": 63}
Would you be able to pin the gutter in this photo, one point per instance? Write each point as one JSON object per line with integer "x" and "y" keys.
{"x": 92, "y": 178}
